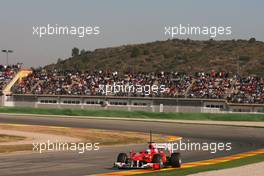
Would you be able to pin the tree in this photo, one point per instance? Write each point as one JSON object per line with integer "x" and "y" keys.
{"x": 135, "y": 52}
{"x": 75, "y": 52}
{"x": 252, "y": 40}
{"x": 146, "y": 52}
{"x": 244, "y": 58}
{"x": 82, "y": 53}
{"x": 59, "y": 60}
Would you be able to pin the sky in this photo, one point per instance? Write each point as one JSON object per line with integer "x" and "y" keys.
{"x": 121, "y": 22}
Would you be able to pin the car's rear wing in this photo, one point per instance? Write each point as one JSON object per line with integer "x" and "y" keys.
{"x": 166, "y": 146}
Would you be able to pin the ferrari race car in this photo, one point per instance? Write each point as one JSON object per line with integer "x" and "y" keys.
{"x": 156, "y": 156}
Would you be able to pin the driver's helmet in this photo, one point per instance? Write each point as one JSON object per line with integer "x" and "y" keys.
{"x": 148, "y": 151}
{"x": 151, "y": 146}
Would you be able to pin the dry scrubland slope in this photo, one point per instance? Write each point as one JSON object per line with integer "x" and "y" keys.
{"x": 173, "y": 55}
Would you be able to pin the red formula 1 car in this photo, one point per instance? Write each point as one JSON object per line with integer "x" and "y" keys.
{"x": 156, "y": 156}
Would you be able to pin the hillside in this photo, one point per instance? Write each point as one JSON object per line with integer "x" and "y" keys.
{"x": 247, "y": 56}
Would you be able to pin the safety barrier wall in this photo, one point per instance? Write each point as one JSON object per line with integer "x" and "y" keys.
{"x": 130, "y": 103}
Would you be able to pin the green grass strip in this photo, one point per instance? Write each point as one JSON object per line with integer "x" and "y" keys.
{"x": 135, "y": 114}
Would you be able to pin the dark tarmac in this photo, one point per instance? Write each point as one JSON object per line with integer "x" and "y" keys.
{"x": 91, "y": 162}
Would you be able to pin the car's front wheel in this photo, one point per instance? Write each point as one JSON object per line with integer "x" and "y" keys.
{"x": 175, "y": 160}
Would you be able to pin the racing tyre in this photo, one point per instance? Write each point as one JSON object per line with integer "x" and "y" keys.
{"x": 122, "y": 157}
{"x": 158, "y": 160}
{"x": 175, "y": 160}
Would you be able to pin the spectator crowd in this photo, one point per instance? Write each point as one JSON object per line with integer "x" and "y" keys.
{"x": 214, "y": 85}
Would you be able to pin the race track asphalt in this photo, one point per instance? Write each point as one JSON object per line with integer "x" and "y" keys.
{"x": 73, "y": 164}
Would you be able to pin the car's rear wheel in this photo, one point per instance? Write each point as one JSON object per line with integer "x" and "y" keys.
{"x": 175, "y": 160}
{"x": 122, "y": 157}
{"x": 157, "y": 159}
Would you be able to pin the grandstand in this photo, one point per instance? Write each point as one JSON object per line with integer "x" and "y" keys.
{"x": 200, "y": 92}
{"x": 234, "y": 89}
